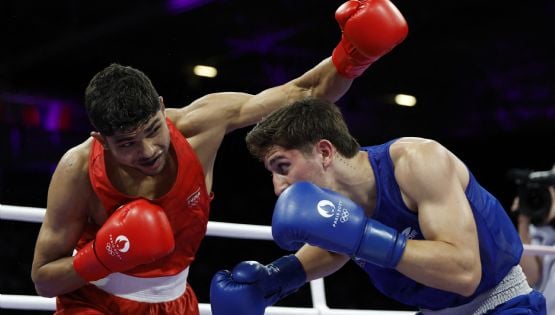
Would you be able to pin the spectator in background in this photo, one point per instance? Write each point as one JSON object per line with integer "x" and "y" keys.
{"x": 536, "y": 225}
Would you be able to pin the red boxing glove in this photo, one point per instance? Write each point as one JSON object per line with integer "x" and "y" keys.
{"x": 136, "y": 233}
{"x": 371, "y": 28}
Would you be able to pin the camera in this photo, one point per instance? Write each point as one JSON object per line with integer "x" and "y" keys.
{"x": 533, "y": 193}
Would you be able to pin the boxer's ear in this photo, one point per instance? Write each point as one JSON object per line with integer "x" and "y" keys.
{"x": 162, "y": 106}
{"x": 326, "y": 152}
{"x": 98, "y": 136}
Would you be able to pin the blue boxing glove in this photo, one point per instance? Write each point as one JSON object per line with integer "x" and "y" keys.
{"x": 306, "y": 213}
{"x": 250, "y": 287}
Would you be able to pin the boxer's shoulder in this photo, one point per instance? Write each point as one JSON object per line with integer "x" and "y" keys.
{"x": 74, "y": 163}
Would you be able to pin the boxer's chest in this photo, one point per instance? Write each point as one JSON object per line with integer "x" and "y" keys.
{"x": 131, "y": 185}
{"x": 136, "y": 184}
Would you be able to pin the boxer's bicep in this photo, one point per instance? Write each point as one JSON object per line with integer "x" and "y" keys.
{"x": 448, "y": 258}
{"x": 66, "y": 211}
{"x": 210, "y": 117}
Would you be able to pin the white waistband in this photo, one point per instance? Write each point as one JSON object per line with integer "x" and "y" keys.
{"x": 513, "y": 285}
{"x": 150, "y": 290}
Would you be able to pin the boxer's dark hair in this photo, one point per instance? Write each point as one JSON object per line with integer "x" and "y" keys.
{"x": 299, "y": 126}
{"x": 120, "y": 98}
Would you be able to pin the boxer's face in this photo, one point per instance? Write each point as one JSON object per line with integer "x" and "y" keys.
{"x": 290, "y": 166}
{"x": 144, "y": 148}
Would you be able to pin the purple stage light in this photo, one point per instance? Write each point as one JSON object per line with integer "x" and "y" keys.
{"x": 178, "y": 6}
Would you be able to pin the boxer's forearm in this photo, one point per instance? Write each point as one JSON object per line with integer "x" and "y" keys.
{"x": 323, "y": 81}
{"x": 57, "y": 277}
{"x": 319, "y": 263}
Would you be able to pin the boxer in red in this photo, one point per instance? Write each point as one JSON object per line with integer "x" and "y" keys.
{"x": 132, "y": 201}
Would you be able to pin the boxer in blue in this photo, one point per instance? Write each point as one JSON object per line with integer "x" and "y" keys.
{"x": 409, "y": 212}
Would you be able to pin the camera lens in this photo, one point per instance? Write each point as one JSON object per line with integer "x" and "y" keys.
{"x": 535, "y": 202}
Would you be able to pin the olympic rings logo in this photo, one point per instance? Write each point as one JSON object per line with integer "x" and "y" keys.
{"x": 341, "y": 215}
{"x": 344, "y": 216}
{"x": 120, "y": 245}
{"x": 109, "y": 249}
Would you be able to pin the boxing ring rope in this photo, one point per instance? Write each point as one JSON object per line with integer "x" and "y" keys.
{"x": 216, "y": 229}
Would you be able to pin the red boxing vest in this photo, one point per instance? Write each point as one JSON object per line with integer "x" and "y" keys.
{"x": 187, "y": 206}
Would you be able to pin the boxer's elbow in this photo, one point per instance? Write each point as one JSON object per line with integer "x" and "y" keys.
{"x": 468, "y": 280}
{"x": 43, "y": 289}
{"x": 43, "y": 286}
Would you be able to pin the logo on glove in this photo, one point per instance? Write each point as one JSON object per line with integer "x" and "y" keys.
{"x": 326, "y": 208}
{"x": 120, "y": 245}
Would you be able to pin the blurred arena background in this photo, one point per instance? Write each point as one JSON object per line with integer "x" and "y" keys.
{"x": 481, "y": 71}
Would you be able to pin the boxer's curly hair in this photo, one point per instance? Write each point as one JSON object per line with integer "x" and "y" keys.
{"x": 299, "y": 126}
{"x": 120, "y": 98}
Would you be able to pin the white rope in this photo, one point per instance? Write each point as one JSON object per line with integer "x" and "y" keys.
{"x": 530, "y": 250}
{"x": 27, "y": 302}
{"x": 236, "y": 230}
{"x": 218, "y": 229}
{"x": 26, "y": 214}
